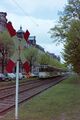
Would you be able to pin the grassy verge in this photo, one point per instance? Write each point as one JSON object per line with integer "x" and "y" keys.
{"x": 61, "y": 102}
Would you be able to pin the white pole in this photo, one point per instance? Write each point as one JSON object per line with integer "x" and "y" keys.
{"x": 17, "y": 90}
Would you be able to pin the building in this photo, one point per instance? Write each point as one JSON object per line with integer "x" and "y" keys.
{"x": 54, "y": 56}
{"x": 20, "y": 35}
{"x": 32, "y": 40}
{"x": 3, "y": 20}
{"x": 40, "y": 48}
{"x": 3, "y": 52}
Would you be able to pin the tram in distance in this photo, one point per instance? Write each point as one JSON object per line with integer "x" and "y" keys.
{"x": 47, "y": 71}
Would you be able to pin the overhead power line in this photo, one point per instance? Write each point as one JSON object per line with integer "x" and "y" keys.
{"x": 25, "y": 13}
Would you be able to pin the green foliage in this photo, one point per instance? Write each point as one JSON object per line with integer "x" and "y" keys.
{"x": 72, "y": 46}
{"x": 71, "y": 12}
{"x": 60, "y": 102}
{"x": 44, "y": 58}
{"x": 5, "y": 38}
{"x": 73, "y": 9}
{"x": 47, "y": 59}
{"x": 68, "y": 31}
{"x": 31, "y": 54}
{"x": 6, "y": 42}
{"x": 36, "y": 57}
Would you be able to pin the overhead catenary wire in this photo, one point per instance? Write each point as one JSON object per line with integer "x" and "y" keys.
{"x": 27, "y": 14}
{"x": 24, "y": 12}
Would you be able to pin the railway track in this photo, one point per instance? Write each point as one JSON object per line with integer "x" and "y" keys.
{"x": 26, "y": 91}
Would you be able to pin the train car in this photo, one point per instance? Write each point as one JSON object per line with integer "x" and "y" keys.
{"x": 47, "y": 71}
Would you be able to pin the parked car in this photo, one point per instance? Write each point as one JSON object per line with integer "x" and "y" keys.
{"x": 11, "y": 76}
{"x": 2, "y": 76}
{"x": 20, "y": 76}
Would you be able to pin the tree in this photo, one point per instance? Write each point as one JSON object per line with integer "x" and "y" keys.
{"x": 31, "y": 55}
{"x": 49, "y": 60}
{"x": 43, "y": 59}
{"x": 72, "y": 46}
{"x": 6, "y": 47}
{"x": 68, "y": 31}
{"x": 71, "y": 12}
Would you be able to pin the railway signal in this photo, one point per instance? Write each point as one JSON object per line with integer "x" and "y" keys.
{"x": 19, "y": 45}
{"x": 14, "y": 60}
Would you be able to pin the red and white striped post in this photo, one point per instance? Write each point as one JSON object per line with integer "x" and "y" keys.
{"x": 15, "y": 61}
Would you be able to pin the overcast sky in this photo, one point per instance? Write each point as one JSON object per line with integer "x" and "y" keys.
{"x": 38, "y": 16}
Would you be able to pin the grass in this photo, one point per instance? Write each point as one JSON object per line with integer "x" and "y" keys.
{"x": 61, "y": 102}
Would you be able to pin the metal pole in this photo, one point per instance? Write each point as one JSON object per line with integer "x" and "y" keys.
{"x": 17, "y": 90}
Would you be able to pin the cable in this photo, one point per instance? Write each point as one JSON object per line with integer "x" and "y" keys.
{"x": 25, "y": 13}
